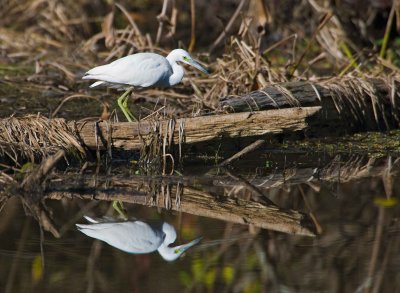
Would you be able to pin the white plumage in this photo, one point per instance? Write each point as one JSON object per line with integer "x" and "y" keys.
{"x": 138, "y": 70}
{"x": 136, "y": 236}
{"x": 142, "y": 70}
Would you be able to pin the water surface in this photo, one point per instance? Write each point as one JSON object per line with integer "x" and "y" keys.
{"x": 349, "y": 199}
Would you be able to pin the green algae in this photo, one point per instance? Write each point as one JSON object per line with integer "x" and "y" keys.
{"x": 373, "y": 144}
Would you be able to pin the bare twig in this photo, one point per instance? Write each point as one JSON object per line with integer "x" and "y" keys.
{"x": 256, "y": 192}
{"x": 193, "y": 27}
{"x": 37, "y": 177}
{"x": 228, "y": 26}
{"x": 162, "y": 19}
{"x": 324, "y": 21}
{"x": 255, "y": 145}
{"x": 376, "y": 247}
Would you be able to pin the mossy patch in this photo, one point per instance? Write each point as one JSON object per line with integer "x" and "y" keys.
{"x": 374, "y": 144}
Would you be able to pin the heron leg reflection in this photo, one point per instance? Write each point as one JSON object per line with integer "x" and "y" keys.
{"x": 123, "y": 104}
{"x": 119, "y": 207}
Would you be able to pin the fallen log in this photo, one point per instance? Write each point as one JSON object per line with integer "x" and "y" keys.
{"x": 38, "y": 135}
{"x": 130, "y": 136}
{"x": 363, "y": 104}
{"x": 318, "y": 109}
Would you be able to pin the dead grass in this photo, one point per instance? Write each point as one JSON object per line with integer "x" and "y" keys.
{"x": 64, "y": 39}
{"x": 61, "y": 40}
{"x": 32, "y": 136}
{"x": 354, "y": 97}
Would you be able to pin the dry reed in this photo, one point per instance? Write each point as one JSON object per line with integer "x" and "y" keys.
{"x": 36, "y": 135}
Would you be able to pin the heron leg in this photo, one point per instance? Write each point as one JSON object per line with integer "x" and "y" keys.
{"x": 119, "y": 207}
{"x": 123, "y": 104}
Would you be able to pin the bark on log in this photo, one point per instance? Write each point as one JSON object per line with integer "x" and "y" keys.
{"x": 325, "y": 109}
{"x": 131, "y": 136}
{"x": 353, "y": 103}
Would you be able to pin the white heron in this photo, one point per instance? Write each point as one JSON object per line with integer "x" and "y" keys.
{"x": 142, "y": 70}
{"x": 137, "y": 236}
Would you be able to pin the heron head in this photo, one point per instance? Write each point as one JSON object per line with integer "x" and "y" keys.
{"x": 173, "y": 253}
{"x": 184, "y": 57}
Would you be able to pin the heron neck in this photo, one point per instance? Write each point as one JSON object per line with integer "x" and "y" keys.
{"x": 167, "y": 252}
{"x": 177, "y": 74}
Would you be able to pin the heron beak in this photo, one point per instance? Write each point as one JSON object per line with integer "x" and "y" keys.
{"x": 182, "y": 248}
{"x": 197, "y": 65}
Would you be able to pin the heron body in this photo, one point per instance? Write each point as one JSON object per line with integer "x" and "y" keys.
{"x": 139, "y": 70}
{"x": 142, "y": 70}
{"x": 137, "y": 237}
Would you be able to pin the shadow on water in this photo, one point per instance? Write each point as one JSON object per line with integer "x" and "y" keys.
{"x": 278, "y": 222}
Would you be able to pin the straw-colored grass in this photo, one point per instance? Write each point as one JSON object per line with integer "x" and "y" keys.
{"x": 33, "y": 136}
{"x": 61, "y": 40}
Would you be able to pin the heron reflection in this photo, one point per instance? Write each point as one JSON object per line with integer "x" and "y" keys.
{"x": 136, "y": 236}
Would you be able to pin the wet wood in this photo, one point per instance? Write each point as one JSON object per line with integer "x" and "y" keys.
{"x": 131, "y": 136}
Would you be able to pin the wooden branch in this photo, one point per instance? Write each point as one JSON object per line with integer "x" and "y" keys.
{"x": 228, "y": 26}
{"x": 255, "y": 145}
{"x": 129, "y": 136}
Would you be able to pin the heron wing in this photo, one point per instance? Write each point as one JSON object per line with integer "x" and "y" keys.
{"x": 139, "y": 70}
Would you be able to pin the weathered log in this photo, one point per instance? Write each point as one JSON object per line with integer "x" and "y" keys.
{"x": 325, "y": 109}
{"x": 356, "y": 104}
{"x": 130, "y": 136}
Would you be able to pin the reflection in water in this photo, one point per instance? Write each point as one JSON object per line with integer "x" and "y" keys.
{"x": 137, "y": 236}
{"x": 249, "y": 245}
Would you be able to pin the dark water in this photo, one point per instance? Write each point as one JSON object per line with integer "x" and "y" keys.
{"x": 356, "y": 249}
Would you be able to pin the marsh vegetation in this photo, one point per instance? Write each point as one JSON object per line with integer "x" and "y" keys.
{"x": 285, "y": 159}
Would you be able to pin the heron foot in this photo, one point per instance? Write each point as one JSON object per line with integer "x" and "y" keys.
{"x": 123, "y": 104}
{"x": 119, "y": 207}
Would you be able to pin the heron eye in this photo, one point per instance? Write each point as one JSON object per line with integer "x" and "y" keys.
{"x": 185, "y": 58}
{"x": 177, "y": 250}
